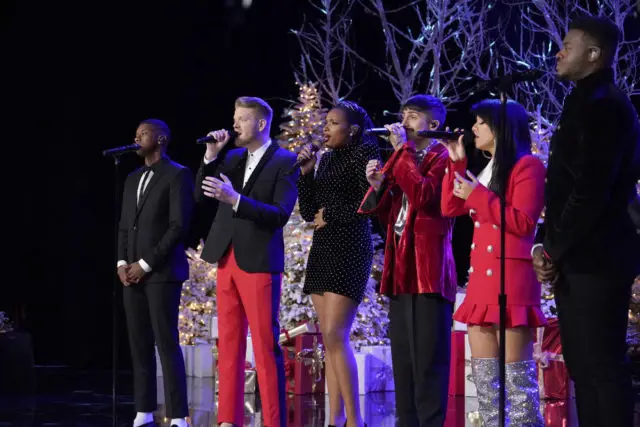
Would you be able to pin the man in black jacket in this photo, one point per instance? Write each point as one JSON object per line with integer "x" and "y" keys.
{"x": 255, "y": 186}
{"x": 156, "y": 211}
{"x": 590, "y": 250}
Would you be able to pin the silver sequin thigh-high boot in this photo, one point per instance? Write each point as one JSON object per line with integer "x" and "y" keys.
{"x": 485, "y": 374}
{"x": 523, "y": 395}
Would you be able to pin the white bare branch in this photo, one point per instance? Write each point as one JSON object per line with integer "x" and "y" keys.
{"x": 323, "y": 58}
{"x": 444, "y": 49}
{"x": 541, "y": 29}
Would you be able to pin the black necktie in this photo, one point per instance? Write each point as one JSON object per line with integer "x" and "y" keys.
{"x": 146, "y": 176}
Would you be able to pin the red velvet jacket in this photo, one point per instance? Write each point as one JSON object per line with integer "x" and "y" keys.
{"x": 422, "y": 260}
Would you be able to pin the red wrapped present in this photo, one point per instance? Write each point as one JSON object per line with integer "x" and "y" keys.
{"x": 304, "y": 365}
{"x": 556, "y": 413}
{"x": 456, "y": 369}
{"x": 553, "y": 377}
{"x": 304, "y": 328}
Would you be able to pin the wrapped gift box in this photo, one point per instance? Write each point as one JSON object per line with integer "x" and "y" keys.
{"x": 376, "y": 409}
{"x": 250, "y": 381}
{"x": 214, "y": 327}
{"x": 457, "y": 366}
{"x": 304, "y": 365}
{"x": 306, "y": 328}
{"x": 469, "y": 385}
{"x": 200, "y": 393}
{"x": 306, "y": 410}
{"x": 560, "y": 413}
{"x": 553, "y": 377}
{"x": 199, "y": 360}
{"x": 459, "y": 326}
{"x": 369, "y": 380}
{"x": 380, "y": 375}
{"x": 159, "y": 364}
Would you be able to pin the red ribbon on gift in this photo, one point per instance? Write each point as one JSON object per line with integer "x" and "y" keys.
{"x": 289, "y": 368}
{"x": 554, "y": 377}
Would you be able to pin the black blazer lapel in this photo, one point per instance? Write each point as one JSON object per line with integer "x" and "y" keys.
{"x": 237, "y": 172}
{"x": 158, "y": 173}
{"x": 263, "y": 161}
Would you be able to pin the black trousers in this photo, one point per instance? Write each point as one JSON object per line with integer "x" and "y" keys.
{"x": 593, "y": 316}
{"x": 420, "y": 331}
{"x": 152, "y": 311}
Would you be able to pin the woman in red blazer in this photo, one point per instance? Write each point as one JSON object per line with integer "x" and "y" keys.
{"x": 514, "y": 170}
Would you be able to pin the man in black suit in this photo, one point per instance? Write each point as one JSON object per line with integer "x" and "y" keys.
{"x": 156, "y": 210}
{"x": 256, "y": 188}
{"x": 590, "y": 250}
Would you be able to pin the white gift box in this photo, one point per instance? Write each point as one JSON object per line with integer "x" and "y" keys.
{"x": 159, "y": 363}
{"x": 369, "y": 379}
{"x": 305, "y": 328}
{"x": 380, "y": 369}
{"x": 376, "y": 409}
{"x": 469, "y": 385}
{"x": 200, "y": 393}
{"x": 363, "y": 362}
{"x": 459, "y": 326}
{"x": 250, "y": 356}
{"x": 214, "y": 327}
{"x": 198, "y": 361}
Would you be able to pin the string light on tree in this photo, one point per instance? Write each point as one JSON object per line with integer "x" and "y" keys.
{"x": 306, "y": 119}
{"x": 371, "y": 323}
{"x": 198, "y": 300}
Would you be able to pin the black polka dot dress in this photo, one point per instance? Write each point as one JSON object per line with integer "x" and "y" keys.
{"x": 341, "y": 252}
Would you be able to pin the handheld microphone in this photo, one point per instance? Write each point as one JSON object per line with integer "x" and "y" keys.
{"x": 314, "y": 149}
{"x": 210, "y": 139}
{"x": 121, "y": 150}
{"x": 437, "y": 134}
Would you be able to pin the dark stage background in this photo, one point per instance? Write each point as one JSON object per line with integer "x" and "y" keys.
{"x": 78, "y": 78}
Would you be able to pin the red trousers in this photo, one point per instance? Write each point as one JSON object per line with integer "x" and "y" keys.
{"x": 252, "y": 297}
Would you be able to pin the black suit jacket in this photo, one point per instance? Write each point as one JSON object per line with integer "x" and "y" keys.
{"x": 593, "y": 168}
{"x": 156, "y": 229}
{"x": 266, "y": 203}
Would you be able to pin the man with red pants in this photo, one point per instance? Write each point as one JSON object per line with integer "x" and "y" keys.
{"x": 255, "y": 186}
{"x": 419, "y": 271}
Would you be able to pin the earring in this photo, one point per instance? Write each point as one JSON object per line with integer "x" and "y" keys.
{"x": 486, "y": 155}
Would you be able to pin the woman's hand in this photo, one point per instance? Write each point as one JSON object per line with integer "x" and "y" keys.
{"x": 462, "y": 187}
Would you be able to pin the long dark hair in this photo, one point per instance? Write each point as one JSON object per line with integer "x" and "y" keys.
{"x": 517, "y": 141}
{"x": 356, "y": 115}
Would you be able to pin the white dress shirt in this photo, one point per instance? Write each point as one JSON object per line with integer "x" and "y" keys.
{"x": 485, "y": 176}
{"x": 142, "y": 186}
{"x": 252, "y": 162}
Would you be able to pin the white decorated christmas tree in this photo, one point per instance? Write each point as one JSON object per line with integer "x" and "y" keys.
{"x": 305, "y": 125}
{"x": 198, "y": 300}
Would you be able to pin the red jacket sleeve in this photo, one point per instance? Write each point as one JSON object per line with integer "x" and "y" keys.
{"x": 421, "y": 190}
{"x": 451, "y": 205}
{"x": 524, "y": 206}
{"x": 378, "y": 203}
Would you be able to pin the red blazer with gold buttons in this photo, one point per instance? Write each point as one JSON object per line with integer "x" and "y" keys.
{"x": 421, "y": 260}
{"x": 524, "y": 203}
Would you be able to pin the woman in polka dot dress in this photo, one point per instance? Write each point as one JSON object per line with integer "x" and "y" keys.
{"x": 340, "y": 258}
{"x": 520, "y": 175}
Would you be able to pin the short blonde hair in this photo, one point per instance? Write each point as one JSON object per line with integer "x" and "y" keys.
{"x": 256, "y": 104}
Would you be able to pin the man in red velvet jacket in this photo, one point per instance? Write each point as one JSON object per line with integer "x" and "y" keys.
{"x": 419, "y": 271}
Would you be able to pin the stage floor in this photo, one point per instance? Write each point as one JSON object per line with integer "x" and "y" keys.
{"x": 68, "y": 398}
